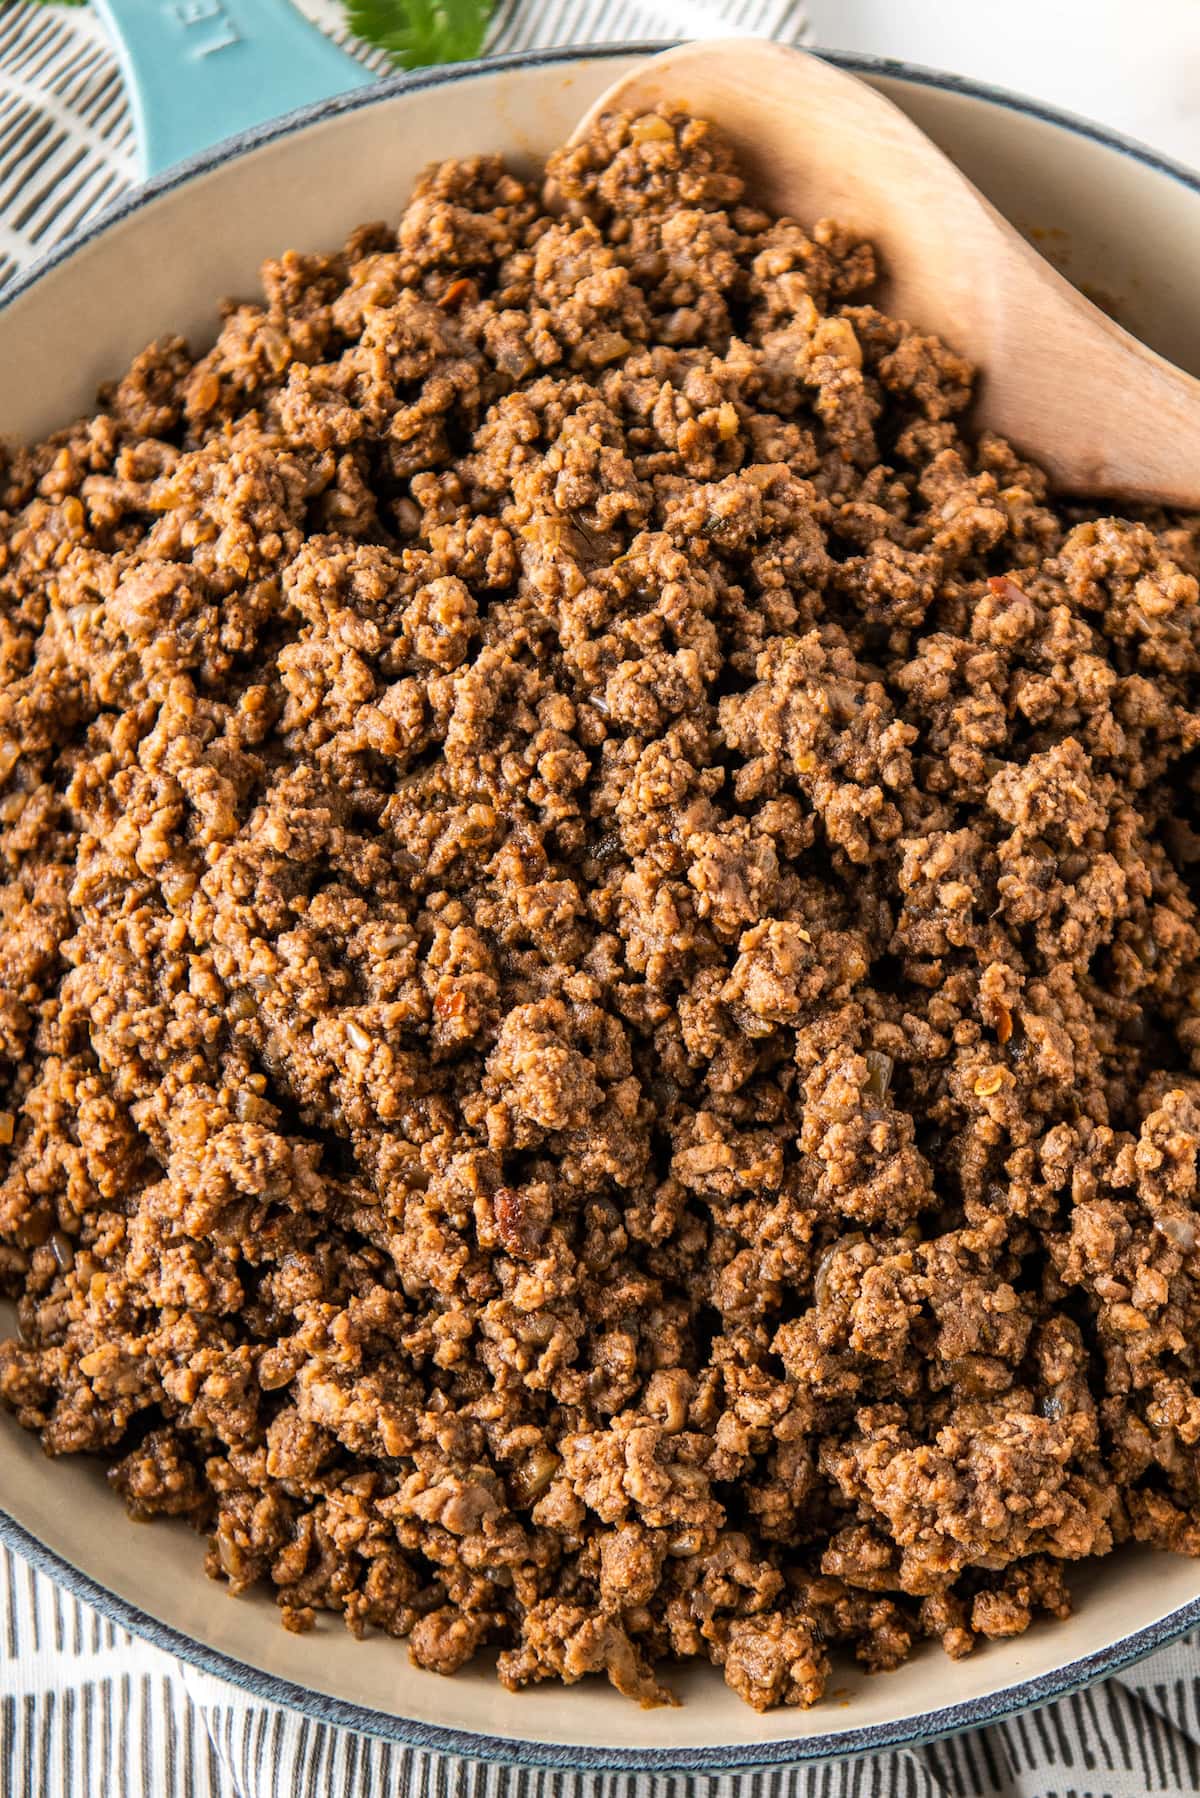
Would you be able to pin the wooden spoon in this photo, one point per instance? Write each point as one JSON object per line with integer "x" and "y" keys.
{"x": 1101, "y": 412}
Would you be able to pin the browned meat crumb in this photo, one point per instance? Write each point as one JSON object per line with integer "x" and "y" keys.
{"x": 600, "y": 998}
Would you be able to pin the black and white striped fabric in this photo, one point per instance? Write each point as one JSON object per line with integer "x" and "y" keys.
{"x": 89, "y": 1712}
{"x": 86, "y": 1710}
{"x": 66, "y": 139}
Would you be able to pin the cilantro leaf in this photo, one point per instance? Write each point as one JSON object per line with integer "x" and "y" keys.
{"x": 417, "y": 32}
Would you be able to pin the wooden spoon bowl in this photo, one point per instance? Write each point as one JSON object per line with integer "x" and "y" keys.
{"x": 1102, "y": 413}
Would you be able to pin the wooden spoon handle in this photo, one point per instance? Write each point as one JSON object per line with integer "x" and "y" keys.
{"x": 1100, "y": 411}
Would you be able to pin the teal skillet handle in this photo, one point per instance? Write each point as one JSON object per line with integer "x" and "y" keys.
{"x": 200, "y": 70}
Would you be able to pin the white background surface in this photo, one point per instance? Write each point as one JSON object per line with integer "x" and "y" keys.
{"x": 1132, "y": 64}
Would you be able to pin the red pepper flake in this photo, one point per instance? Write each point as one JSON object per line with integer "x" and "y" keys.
{"x": 1004, "y": 587}
{"x": 457, "y": 292}
{"x": 519, "y": 1233}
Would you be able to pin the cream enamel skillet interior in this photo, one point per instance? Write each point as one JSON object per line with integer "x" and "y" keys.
{"x": 1123, "y": 223}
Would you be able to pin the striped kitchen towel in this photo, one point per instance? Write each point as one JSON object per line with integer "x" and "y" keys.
{"x": 66, "y": 138}
{"x": 86, "y": 1710}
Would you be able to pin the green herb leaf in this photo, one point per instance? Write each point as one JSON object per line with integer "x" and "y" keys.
{"x": 417, "y": 32}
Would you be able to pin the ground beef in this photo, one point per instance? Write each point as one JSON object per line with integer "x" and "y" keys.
{"x": 600, "y": 1000}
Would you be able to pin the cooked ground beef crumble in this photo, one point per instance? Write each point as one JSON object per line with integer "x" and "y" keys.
{"x": 600, "y": 967}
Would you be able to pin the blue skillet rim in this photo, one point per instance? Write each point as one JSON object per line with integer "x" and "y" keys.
{"x": 272, "y": 1688}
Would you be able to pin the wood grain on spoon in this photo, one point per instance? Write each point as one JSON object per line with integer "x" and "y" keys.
{"x": 1101, "y": 412}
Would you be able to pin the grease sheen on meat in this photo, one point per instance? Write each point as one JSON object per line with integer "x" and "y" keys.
{"x": 599, "y": 967}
